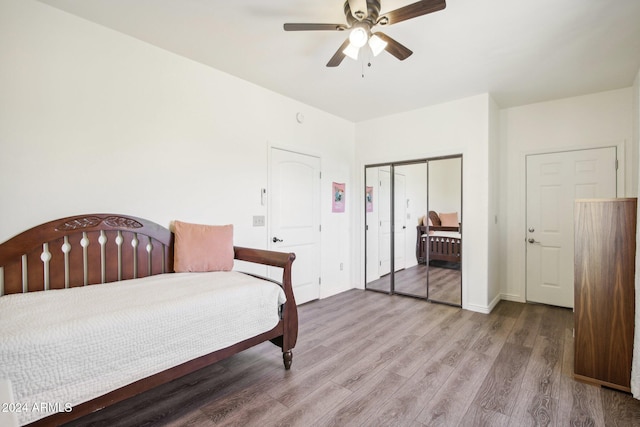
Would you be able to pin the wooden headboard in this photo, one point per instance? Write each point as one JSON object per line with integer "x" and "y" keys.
{"x": 84, "y": 250}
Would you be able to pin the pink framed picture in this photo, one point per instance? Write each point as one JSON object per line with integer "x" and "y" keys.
{"x": 338, "y": 197}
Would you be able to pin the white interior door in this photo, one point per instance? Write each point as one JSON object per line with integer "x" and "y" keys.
{"x": 399, "y": 228}
{"x": 554, "y": 181}
{"x": 294, "y": 211}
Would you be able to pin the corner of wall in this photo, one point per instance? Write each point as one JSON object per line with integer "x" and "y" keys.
{"x": 633, "y": 191}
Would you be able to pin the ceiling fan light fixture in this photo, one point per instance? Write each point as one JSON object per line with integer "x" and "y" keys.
{"x": 377, "y": 45}
{"x": 351, "y": 51}
{"x": 358, "y": 37}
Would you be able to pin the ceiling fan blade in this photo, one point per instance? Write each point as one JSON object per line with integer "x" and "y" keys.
{"x": 358, "y": 9}
{"x": 412, "y": 11}
{"x": 314, "y": 27}
{"x": 337, "y": 57}
{"x": 395, "y": 48}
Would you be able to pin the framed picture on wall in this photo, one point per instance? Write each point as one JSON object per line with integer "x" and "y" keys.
{"x": 338, "y": 197}
{"x": 369, "y": 198}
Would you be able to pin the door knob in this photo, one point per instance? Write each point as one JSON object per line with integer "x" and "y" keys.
{"x": 276, "y": 240}
{"x": 531, "y": 240}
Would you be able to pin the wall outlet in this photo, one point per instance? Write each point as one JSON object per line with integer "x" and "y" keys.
{"x": 258, "y": 220}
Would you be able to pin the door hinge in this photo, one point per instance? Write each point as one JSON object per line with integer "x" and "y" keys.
{"x": 320, "y": 227}
{"x": 616, "y": 164}
{"x": 320, "y": 174}
{"x": 319, "y": 280}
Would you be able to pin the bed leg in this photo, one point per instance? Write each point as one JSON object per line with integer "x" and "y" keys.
{"x": 287, "y": 357}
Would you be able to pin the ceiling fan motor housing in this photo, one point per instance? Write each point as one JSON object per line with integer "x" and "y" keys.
{"x": 373, "y": 11}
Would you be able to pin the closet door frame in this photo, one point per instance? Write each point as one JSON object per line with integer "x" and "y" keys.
{"x": 392, "y": 165}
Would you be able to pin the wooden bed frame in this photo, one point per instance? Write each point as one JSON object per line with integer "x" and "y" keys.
{"x": 101, "y": 248}
{"x": 434, "y": 248}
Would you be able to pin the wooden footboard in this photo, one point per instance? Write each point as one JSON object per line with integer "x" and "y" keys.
{"x": 444, "y": 248}
{"x": 100, "y": 248}
{"x": 290, "y": 312}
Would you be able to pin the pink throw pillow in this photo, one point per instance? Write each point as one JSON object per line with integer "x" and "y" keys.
{"x": 449, "y": 219}
{"x": 200, "y": 248}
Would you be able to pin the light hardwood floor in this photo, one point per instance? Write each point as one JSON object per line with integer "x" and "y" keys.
{"x": 368, "y": 359}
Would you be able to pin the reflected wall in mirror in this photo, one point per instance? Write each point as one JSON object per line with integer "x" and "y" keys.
{"x": 443, "y": 242}
{"x": 378, "y": 228}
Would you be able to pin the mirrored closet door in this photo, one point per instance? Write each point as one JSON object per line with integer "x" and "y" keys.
{"x": 413, "y": 229}
{"x": 443, "y": 240}
{"x": 378, "y": 228}
{"x": 410, "y": 201}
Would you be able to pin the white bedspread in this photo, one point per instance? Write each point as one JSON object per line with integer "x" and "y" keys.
{"x": 64, "y": 347}
{"x": 445, "y": 234}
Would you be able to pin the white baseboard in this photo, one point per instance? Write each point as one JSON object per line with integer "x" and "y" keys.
{"x": 326, "y": 291}
{"x": 483, "y": 309}
{"x": 514, "y": 298}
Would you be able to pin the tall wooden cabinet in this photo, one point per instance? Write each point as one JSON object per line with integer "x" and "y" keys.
{"x": 605, "y": 248}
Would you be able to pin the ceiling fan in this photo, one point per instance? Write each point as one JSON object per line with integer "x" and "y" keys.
{"x": 362, "y": 16}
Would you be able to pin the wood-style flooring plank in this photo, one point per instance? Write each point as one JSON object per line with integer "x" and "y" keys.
{"x": 306, "y": 381}
{"x": 359, "y": 408}
{"x": 462, "y": 339}
{"x": 494, "y": 335}
{"x": 479, "y": 417}
{"x": 501, "y": 385}
{"x": 620, "y": 409}
{"x": 248, "y": 407}
{"x": 194, "y": 418}
{"x": 535, "y": 409}
{"x": 402, "y": 408}
{"x": 425, "y": 347}
{"x": 368, "y": 365}
{"x": 526, "y": 328}
{"x": 312, "y": 407}
{"x": 580, "y": 404}
{"x": 544, "y": 369}
{"x": 453, "y": 399}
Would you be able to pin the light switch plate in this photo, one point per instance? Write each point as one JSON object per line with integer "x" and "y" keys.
{"x": 258, "y": 220}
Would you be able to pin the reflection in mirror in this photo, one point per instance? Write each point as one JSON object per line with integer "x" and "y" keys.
{"x": 443, "y": 242}
{"x": 378, "y": 228}
{"x": 410, "y": 204}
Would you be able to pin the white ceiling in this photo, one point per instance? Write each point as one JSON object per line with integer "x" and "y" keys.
{"x": 520, "y": 51}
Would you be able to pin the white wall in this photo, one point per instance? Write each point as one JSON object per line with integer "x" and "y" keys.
{"x": 459, "y": 127}
{"x": 445, "y": 186}
{"x": 416, "y": 195}
{"x": 496, "y": 182}
{"x": 596, "y": 120}
{"x": 95, "y": 121}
